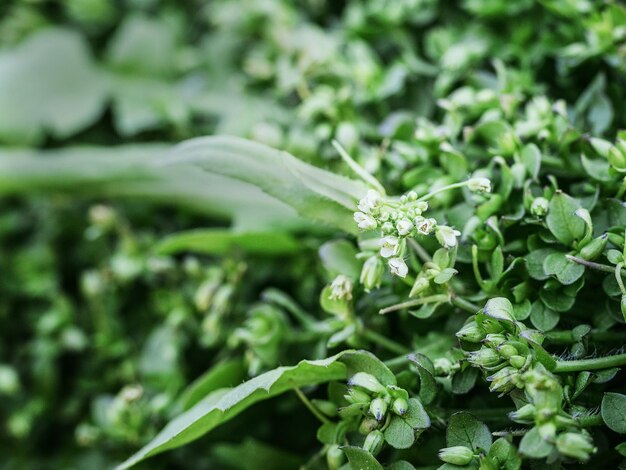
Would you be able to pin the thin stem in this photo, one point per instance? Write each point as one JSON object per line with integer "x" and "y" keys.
{"x": 426, "y": 197}
{"x": 312, "y": 408}
{"x": 414, "y": 302}
{"x": 358, "y": 169}
{"x": 567, "y": 337}
{"x": 397, "y": 361}
{"x": 284, "y": 301}
{"x": 464, "y": 304}
{"x": 590, "y": 264}
{"x": 385, "y": 342}
{"x": 597, "y": 363}
{"x": 618, "y": 278}
{"x": 420, "y": 251}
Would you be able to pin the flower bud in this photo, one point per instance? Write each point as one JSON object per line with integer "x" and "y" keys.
{"x": 378, "y": 408}
{"x": 471, "y": 333}
{"x": 504, "y": 380}
{"x": 367, "y": 382}
{"x": 365, "y": 221}
{"x": 411, "y": 196}
{"x": 334, "y": 457}
{"x": 398, "y": 267}
{"x": 576, "y": 445}
{"x": 368, "y": 425}
{"x": 355, "y": 395}
{"x": 507, "y": 350}
{"x": 399, "y": 406}
{"x": 517, "y": 361}
{"x": 479, "y": 185}
{"x": 374, "y": 442}
{"x": 404, "y": 227}
{"x": 594, "y": 248}
{"x": 371, "y": 201}
{"x": 446, "y": 236}
{"x": 419, "y": 286}
{"x": 493, "y": 340}
{"x": 341, "y": 288}
{"x": 457, "y": 455}
{"x": 443, "y": 366}
{"x": 387, "y": 227}
{"x": 484, "y": 357}
{"x": 525, "y": 414}
{"x": 539, "y": 207}
{"x": 372, "y": 273}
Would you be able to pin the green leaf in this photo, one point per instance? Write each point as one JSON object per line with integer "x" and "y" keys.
{"x": 416, "y": 415}
{"x": 465, "y": 430}
{"x": 463, "y": 381}
{"x": 361, "y": 459}
{"x": 218, "y": 241}
{"x": 499, "y": 308}
{"x": 428, "y": 384}
{"x": 224, "y": 374}
{"x": 220, "y": 407}
{"x": 248, "y": 454}
{"x": 534, "y": 446}
{"x": 316, "y": 194}
{"x": 566, "y": 271}
{"x": 621, "y": 448}
{"x": 44, "y": 95}
{"x": 543, "y": 318}
{"x": 534, "y": 263}
{"x": 400, "y": 465}
{"x": 399, "y": 434}
{"x": 561, "y": 220}
{"x": 339, "y": 257}
{"x": 613, "y": 411}
{"x": 505, "y": 455}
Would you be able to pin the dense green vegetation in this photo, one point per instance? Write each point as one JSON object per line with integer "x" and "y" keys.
{"x": 399, "y": 224}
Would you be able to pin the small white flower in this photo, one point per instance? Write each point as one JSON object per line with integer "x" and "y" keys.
{"x": 341, "y": 288}
{"x": 365, "y": 221}
{"x": 424, "y": 226}
{"x": 389, "y": 246}
{"x": 371, "y": 200}
{"x": 446, "y": 236}
{"x": 398, "y": 267}
{"x": 404, "y": 227}
{"x": 479, "y": 185}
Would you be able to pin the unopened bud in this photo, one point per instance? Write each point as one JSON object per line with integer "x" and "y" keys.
{"x": 399, "y": 406}
{"x": 517, "y": 361}
{"x": 479, "y": 185}
{"x": 334, "y": 457}
{"x": 378, "y": 408}
{"x": 374, "y": 442}
{"x": 525, "y": 414}
{"x": 493, "y": 340}
{"x": 471, "y": 333}
{"x": 457, "y": 455}
{"x": 367, "y": 425}
{"x": 539, "y": 207}
{"x": 594, "y": 248}
{"x": 419, "y": 286}
{"x": 507, "y": 350}
{"x": 484, "y": 357}
{"x": 372, "y": 273}
{"x": 355, "y": 395}
{"x": 367, "y": 382}
{"x": 576, "y": 445}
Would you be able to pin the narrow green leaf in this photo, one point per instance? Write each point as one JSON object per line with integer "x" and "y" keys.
{"x": 217, "y": 241}
{"x": 224, "y": 405}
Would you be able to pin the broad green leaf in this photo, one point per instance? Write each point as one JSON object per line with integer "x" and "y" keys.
{"x": 465, "y": 430}
{"x": 534, "y": 446}
{"x": 361, "y": 459}
{"x": 463, "y": 381}
{"x": 566, "y": 271}
{"x": 220, "y": 407}
{"x": 561, "y": 220}
{"x": 556, "y": 300}
{"x": 499, "y": 308}
{"x": 44, "y": 95}
{"x": 505, "y": 455}
{"x": 613, "y": 411}
{"x": 534, "y": 263}
{"x": 425, "y": 369}
{"x": 217, "y": 241}
{"x": 399, "y": 434}
{"x": 543, "y": 318}
{"x": 314, "y": 193}
{"x": 400, "y": 465}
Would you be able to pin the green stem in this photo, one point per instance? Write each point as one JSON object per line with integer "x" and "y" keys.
{"x": 590, "y": 264}
{"x": 414, "y": 302}
{"x": 464, "y": 304}
{"x": 597, "y": 363}
{"x": 312, "y": 408}
{"x": 420, "y": 251}
{"x": 384, "y": 342}
{"x": 397, "y": 361}
{"x": 567, "y": 337}
{"x": 442, "y": 189}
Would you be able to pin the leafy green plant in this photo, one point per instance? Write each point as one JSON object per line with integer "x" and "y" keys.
{"x": 415, "y": 257}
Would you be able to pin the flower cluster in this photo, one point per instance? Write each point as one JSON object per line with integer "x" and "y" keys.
{"x": 374, "y": 403}
{"x": 400, "y": 219}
